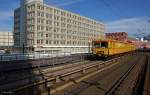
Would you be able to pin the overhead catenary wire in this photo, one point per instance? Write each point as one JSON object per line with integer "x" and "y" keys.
{"x": 115, "y": 10}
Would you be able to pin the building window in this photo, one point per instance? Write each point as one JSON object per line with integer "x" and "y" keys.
{"x": 50, "y": 42}
{"x": 63, "y": 25}
{"x": 63, "y": 19}
{"x": 40, "y": 14}
{"x": 63, "y": 30}
{"x": 46, "y": 35}
{"x": 56, "y": 17}
{"x": 40, "y": 27}
{"x": 56, "y": 23}
{"x": 54, "y": 42}
{"x": 47, "y": 42}
{"x": 49, "y": 22}
{"x": 41, "y": 41}
{"x": 56, "y": 11}
{"x": 63, "y": 13}
{"x": 38, "y": 41}
{"x": 49, "y": 16}
{"x": 40, "y": 7}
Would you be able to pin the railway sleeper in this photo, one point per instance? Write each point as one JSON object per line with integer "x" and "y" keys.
{"x": 58, "y": 78}
{"x": 146, "y": 88}
{"x": 119, "y": 83}
{"x": 130, "y": 83}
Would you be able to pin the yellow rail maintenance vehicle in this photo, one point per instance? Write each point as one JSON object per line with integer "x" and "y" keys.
{"x": 106, "y": 48}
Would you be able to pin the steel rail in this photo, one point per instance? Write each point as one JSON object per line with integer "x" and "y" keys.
{"x": 113, "y": 88}
{"x": 146, "y": 89}
{"x": 62, "y": 75}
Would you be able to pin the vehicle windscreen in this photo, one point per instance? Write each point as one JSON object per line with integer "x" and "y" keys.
{"x": 104, "y": 44}
{"x": 97, "y": 45}
{"x": 101, "y": 45}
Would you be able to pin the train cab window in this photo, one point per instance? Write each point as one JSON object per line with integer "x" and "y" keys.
{"x": 104, "y": 44}
{"x": 100, "y": 45}
{"x": 97, "y": 45}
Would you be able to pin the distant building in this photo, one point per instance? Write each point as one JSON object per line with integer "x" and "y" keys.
{"x": 6, "y": 39}
{"x": 6, "y": 42}
{"x": 121, "y": 36}
{"x": 147, "y": 38}
{"x": 43, "y": 28}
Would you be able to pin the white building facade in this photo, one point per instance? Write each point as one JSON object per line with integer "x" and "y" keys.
{"x": 6, "y": 39}
{"x": 43, "y": 28}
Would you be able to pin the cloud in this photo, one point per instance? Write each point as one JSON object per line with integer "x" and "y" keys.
{"x": 133, "y": 26}
{"x": 63, "y": 2}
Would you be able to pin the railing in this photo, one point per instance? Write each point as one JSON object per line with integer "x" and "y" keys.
{"x": 15, "y": 57}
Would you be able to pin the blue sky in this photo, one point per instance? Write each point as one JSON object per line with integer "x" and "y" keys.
{"x": 119, "y": 15}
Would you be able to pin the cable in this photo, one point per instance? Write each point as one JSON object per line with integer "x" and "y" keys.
{"x": 107, "y": 4}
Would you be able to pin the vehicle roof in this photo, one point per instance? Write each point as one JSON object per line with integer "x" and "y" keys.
{"x": 109, "y": 40}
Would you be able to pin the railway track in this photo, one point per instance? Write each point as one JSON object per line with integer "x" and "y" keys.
{"x": 35, "y": 75}
{"x": 146, "y": 88}
{"x": 117, "y": 80}
{"x": 128, "y": 83}
{"x": 8, "y": 74}
{"x": 52, "y": 76}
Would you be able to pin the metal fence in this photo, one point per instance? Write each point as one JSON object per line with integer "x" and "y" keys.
{"x": 15, "y": 57}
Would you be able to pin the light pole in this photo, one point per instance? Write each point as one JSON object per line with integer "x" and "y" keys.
{"x": 45, "y": 78}
{"x": 23, "y": 48}
{"x": 48, "y": 89}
